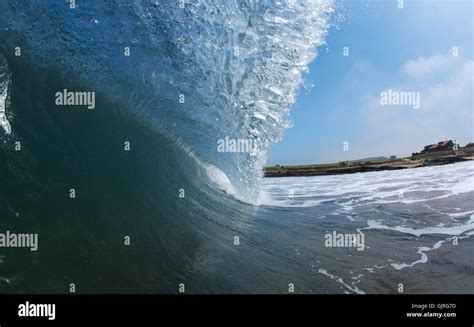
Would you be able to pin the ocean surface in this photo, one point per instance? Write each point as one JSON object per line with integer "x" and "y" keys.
{"x": 418, "y": 227}
{"x": 156, "y": 206}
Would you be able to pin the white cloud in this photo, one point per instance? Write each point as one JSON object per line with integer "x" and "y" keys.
{"x": 423, "y": 67}
{"x": 445, "y": 84}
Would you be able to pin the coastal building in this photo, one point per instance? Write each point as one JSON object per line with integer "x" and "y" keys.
{"x": 440, "y": 146}
{"x": 393, "y": 157}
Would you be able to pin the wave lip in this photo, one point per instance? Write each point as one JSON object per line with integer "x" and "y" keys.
{"x": 252, "y": 56}
{"x": 4, "y": 87}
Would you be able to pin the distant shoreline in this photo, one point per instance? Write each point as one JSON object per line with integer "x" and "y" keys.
{"x": 414, "y": 161}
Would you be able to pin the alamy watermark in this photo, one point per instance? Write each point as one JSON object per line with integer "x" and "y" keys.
{"x": 14, "y": 240}
{"x": 347, "y": 240}
{"x": 400, "y": 98}
{"x": 237, "y": 146}
{"x": 28, "y": 309}
{"x": 70, "y": 98}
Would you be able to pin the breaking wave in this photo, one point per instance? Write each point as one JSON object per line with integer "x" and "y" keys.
{"x": 170, "y": 81}
{"x": 197, "y": 74}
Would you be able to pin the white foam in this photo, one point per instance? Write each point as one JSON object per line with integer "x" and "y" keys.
{"x": 220, "y": 179}
{"x": 452, "y": 230}
{"x": 417, "y": 186}
{"x": 4, "y": 84}
{"x": 423, "y": 259}
{"x": 352, "y": 287}
{"x": 460, "y": 214}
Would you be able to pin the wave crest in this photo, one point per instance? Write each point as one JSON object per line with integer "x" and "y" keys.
{"x": 237, "y": 64}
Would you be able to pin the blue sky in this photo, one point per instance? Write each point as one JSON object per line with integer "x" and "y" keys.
{"x": 409, "y": 49}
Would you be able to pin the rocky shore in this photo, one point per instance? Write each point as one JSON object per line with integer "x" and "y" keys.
{"x": 416, "y": 161}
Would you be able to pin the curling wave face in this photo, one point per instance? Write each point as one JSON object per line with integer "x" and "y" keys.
{"x": 235, "y": 65}
{"x": 193, "y": 76}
